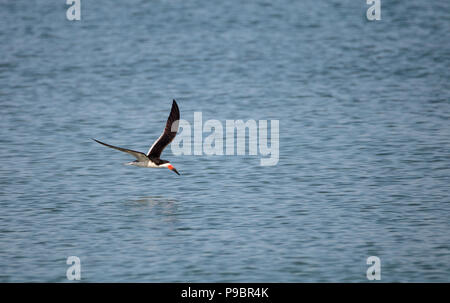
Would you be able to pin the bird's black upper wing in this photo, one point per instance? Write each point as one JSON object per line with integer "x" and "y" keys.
{"x": 169, "y": 133}
{"x": 139, "y": 156}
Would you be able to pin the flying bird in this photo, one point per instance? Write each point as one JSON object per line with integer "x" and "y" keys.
{"x": 152, "y": 158}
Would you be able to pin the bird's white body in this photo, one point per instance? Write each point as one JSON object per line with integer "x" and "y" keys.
{"x": 148, "y": 164}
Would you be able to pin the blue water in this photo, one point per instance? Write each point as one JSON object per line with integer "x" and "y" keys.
{"x": 364, "y": 166}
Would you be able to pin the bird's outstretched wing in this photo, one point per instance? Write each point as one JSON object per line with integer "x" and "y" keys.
{"x": 139, "y": 156}
{"x": 169, "y": 133}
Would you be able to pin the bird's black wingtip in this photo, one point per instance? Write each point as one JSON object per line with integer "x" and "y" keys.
{"x": 98, "y": 141}
{"x": 175, "y": 106}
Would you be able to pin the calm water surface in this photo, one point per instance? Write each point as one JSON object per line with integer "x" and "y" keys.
{"x": 364, "y": 163}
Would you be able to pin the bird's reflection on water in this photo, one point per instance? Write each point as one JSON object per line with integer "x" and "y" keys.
{"x": 159, "y": 205}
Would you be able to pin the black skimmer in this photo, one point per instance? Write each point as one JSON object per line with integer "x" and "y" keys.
{"x": 151, "y": 159}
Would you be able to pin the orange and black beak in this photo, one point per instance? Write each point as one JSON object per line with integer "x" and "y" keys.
{"x": 173, "y": 169}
